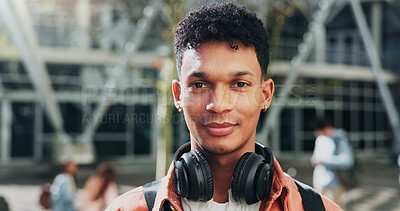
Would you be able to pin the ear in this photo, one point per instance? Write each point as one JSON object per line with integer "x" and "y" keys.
{"x": 176, "y": 91}
{"x": 268, "y": 88}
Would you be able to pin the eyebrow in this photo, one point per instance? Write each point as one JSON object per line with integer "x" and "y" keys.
{"x": 241, "y": 73}
{"x": 197, "y": 75}
{"x": 235, "y": 74}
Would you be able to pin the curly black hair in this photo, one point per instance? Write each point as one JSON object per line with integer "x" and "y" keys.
{"x": 222, "y": 22}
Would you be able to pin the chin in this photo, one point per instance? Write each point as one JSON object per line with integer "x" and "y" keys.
{"x": 220, "y": 145}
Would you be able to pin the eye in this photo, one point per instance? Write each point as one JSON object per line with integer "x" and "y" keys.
{"x": 241, "y": 84}
{"x": 198, "y": 85}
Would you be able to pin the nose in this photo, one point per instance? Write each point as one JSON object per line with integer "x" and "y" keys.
{"x": 219, "y": 100}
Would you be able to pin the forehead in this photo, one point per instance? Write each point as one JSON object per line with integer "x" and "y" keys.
{"x": 214, "y": 57}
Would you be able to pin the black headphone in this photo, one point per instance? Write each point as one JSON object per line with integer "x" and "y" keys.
{"x": 251, "y": 180}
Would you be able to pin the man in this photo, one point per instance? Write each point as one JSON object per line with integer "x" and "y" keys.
{"x": 63, "y": 188}
{"x": 332, "y": 152}
{"x": 222, "y": 58}
{"x": 3, "y": 204}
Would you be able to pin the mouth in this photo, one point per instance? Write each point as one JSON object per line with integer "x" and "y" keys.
{"x": 219, "y": 129}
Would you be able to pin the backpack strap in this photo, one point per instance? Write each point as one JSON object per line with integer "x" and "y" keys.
{"x": 311, "y": 199}
{"x": 150, "y": 191}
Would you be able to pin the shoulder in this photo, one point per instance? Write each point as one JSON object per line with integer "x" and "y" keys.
{"x": 131, "y": 200}
{"x": 60, "y": 175}
{"x": 329, "y": 205}
{"x": 91, "y": 182}
{"x": 324, "y": 139}
{"x": 60, "y": 178}
{"x": 113, "y": 185}
{"x": 112, "y": 189}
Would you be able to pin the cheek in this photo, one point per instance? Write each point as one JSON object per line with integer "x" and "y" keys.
{"x": 192, "y": 114}
{"x": 251, "y": 99}
{"x": 249, "y": 105}
{"x": 194, "y": 102}
{"x": 251, "y": 114}
{"x": 192, "y": 106}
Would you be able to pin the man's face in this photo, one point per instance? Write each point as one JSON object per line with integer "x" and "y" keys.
{"x": 222, "y": 92}
{"x": 72, "y": 168}
{"x": 324, "y": 131}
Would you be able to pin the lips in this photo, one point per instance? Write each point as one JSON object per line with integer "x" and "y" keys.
{"x": 219, "y": 129}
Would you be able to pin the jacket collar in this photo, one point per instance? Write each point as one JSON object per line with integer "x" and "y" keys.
{"x": 167, "y": 192}
{"x": 279, "y": 189}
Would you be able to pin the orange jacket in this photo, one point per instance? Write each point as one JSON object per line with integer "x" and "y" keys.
{"x": 284, "y": 195}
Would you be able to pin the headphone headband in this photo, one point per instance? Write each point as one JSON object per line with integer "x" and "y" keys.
{"x": 181, "y": 150}
{"x": 260, "y": 149}
{"x": 266, "y": 153}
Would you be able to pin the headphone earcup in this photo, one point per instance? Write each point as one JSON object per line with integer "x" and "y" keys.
{"x": 194, "y": 181}
{"x": 207, "y": 181}
{"x": 237, "y": 175}
{"x": 181, "y": 178}
{"x": 250, "y": 180}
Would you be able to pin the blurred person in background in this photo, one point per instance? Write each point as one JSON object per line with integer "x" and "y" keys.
{"x": 332, "y": 153}
{"x": 99, "y": 190}
{"x": 63, "y": 188}
{"x": 222, "y": 57}
{"x": 3, "y": 204}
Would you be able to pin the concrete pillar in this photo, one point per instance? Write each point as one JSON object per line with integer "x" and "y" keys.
{"x": 298, "y": 138}
{"x": 376, "y": 24}
{"x": 5, "y": 128}
{"x": 130, "y": 129}
{"x": 38, "y": 133}
{"x": 276, "y": 137}
{"x": 154, "y": 131}
{"x": 320, "y": 43}
{"x": 83, "y": 20}
{"x": 106, "y": 23}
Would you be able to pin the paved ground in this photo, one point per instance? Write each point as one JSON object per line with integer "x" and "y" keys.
{"x": 379, "y": 189}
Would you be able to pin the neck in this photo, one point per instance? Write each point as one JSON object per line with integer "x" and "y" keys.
{"x": 222, "y": 167}
{"x": 69, "y": 173}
